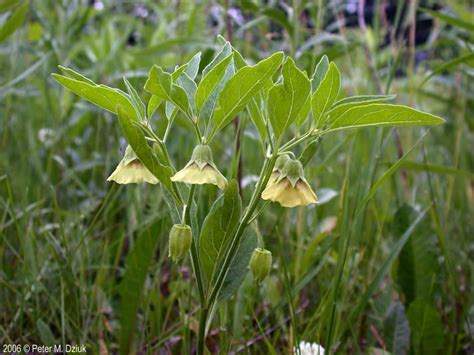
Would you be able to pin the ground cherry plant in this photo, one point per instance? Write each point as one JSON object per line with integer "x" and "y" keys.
{"x": 289, "y": 108}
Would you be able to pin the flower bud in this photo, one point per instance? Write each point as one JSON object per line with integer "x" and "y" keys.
{"x": 180, "y": 240}
{"x": 260, "y": 264}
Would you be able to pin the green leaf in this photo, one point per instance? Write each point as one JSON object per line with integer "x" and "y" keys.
{"x": 100, "y": 95}
{"x": 286, "y": 100}
{"x": 218, "y": 228}
{"x": 397, "y": 330}
{"x": 305, "y": 111}
{"x": 437, "y": 169}
{"x": 131, "y": 287}
{"x": 241, "y": 88}
{"x": 427, "y": 328}
{"x": 239, "y": 266}
{"x": 320, "y": 72}
{"x": 45, "y": 333}
{"x": 456, "y": 22}
{"x": 308, "y": 153}
{"x": 193, "y": 66}
{"x": 189, "y": 86}
{"x": 224, "y": 53}
{"x": 136, "y": 139}
{"x": 6, "y": 5}
{"x": 210, "y": 81}
{"x": 75, "y": 75}
{"x": 362, "y": 99}
{"x": 449, "y": 65}
{"x": 255, "y": 111}
{"x": 14, "y": 21}
{"x": 153, "y": 105}
{"x": 280, "y": 17}
{"x": 418, "y": 260}
{"x": 381, "y": 115}
{"x": 136, "y": 100}
{"x": 385, "y": 267}
{"x": 326, "y": 94}
{"x": 355, "y": 101}
{"x": 178, "y": 71}
{"x": 239, "y": 61}
{"x": 161, "y": 84}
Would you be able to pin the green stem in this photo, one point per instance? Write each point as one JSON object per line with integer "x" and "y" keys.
{"x": 202, "y": 330}
{"x": 234, "y": 246}
{"x": 295, "y": 141}
{"x": 194, "y": 253}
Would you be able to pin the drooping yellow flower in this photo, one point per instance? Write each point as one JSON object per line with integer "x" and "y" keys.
{"x": 131, "y": 170}
{"x": 201, "y": 169}
{"x": 290, "y": 189}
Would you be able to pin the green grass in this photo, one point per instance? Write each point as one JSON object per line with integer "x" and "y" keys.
{"x": 391, "y": 248}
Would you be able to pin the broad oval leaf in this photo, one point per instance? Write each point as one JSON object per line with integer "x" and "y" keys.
{"x": 397, "y": 330}
{"x": 286, "y": 100}
{"x": 160, "y": 83}
{"x": 218, "y": 228}
{"x": 239, "y": 266}
{"x": 326, "y": 94}
{"x": 426, "y": 326}
{"x": 100, "y": 95}
{"x": 381, "y": 115}
{"x": 241, "y": 88}
{"x": 356, "y": 101}
{"x": 210, "y": 81}
{"x": 320, "y": 72}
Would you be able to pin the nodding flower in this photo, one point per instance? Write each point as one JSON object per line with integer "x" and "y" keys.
{"x": 290, "y": 188}
{"x": 180, "y": 240}
{"x": 131, "y": 170}
{"x": 201, "y": 169}
{"x": 260, "y": 264}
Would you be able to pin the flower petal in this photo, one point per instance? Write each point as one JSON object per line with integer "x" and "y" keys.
{"x": 191, "y": 174}
{"x": 133, "y": 172}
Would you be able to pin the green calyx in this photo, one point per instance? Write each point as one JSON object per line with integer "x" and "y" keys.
{"x": 293, "y": 170}
{"x": 281, "y": 162}
{"x": 180, "y": 240}
{"x": 202, "y": 152}
{"x": 260, "y": 264}
{"x": 129, "y": 155}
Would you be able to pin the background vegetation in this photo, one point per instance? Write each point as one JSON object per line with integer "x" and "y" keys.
{"x": 384, "y": 262}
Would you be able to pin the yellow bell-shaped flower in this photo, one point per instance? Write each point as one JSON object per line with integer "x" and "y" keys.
{"x": 290, "y": 189}
{"x": 131, "y": 170}
{"x": 201, "y": 169}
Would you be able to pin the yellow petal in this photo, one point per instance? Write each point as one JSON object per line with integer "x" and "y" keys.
{"x": 273, "y": 177}
{"x": 289, "y": 196}
{"x": 306, "y": 190}
{"x": 191, "y": 174}
{"x": 272, "y": 192}
{"x": 132, "y": 173}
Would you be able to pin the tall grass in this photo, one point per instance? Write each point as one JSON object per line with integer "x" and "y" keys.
{"x": 385, "y": 260}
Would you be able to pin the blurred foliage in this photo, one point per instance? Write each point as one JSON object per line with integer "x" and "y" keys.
{"x": 66, "y": 236}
